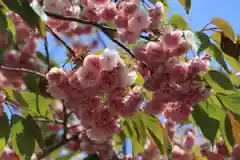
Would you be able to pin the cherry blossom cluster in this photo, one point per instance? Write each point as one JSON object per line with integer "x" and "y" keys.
{"x": 23, "y": 57}
{"x": 175, "y": 84}
{"x": 127, "y": 17}
{"x": 98, "y": 94}
{"x": 220, "y": 152}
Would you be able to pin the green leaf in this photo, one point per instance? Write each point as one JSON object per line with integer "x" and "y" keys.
{"x": 2, "y": 144}
{"x": 216, "y": 36}
{"x": 22, "y": 8}
{"x": 232, "y": 62}
{"x": 23, "y": 142}
{"x": 225, "y": 27}
{"x": 35, "y": 104}
{"x": 39, "y": 10}
{"x": 216, "y": 53}
{"x": 219, "y": 82}
{"x": 131, "y": 130}
{"x": 229, "y": 47}
{"x": 6, "y": 23}
{"x": 118, "y": 140}
{"x": 186, "y": 5}
{"x": 31, "y": 82}
{"x": 213, "y": 110}
{"x": 157, "y": 132}
{"x": 38, "y": 104}
{"x": 231, "y": 102}
{"x": 139, "y": 79}
{"x": 199, "y": 41}
{"x": 178, "y": 21}
{"x": 147, "y": 94}
{"x": 229, "y": 131}
{"x": 35, "y": 130}
{"x": 4, "y": 131}
{"x": 209, "y": 126}
{"x": 92, "y": 157}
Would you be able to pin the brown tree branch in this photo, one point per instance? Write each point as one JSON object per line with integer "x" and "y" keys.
{"x": 22, "y": 70}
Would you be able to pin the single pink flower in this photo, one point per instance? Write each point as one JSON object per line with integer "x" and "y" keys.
{"x": 55, "y": 76}
{"x": 172, "y": 40}
{"x": 138, "y": 21}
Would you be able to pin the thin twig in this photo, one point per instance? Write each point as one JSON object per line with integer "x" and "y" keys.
{"x": 22, "y": 70}
{"x": 118, "y": 43}
{"x": 65, "y": 121}
{"x": 63, "y": 42}
{"x": 48, "y": 121}
{"x": 47, "y": 52}
{"x": 62, "y": 143}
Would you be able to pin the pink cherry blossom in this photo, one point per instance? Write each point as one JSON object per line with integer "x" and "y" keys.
{"x": 109, "y": 60}
{"x": 55, "y": 76}
{"x": 88, "y": 76}
{"x": 172, "y": 40}
{"x": 138, "y": 21}
{"x": 128, "y": 36}
{"x": 177, "y": 111}
{"x": 109, "y": 12}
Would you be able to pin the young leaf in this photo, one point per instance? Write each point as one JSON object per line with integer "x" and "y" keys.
{"x": 199, "y": 41}
{"x": 38, "y": 104}
{"x": 177, "y": 21}
{"x": 130, "y": 131}
{"x": 216, "y": 36}
{"x": 219, "y": 82}
{"x": 186, "y": 5}
{"x": 6, "y": 22}
{"x": 35, "y": 130}
{"x": 209, "y": 126}
{"x": 23, "y": 142}
{"x": 231, "y": 102}
{"x": 216, "y": 53}
{"x": 23, "y": 9}
{"x": 229, "y": 47}
{"x": 157, "y": 132}
{"x": 225, "y": 27}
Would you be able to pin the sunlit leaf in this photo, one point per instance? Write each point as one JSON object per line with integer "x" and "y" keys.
{"x": 139, "y": 79}
{"x": 235, "y": 127}
{"x": 231, "y": 102}
{"x": 225, "y": 27}
{"x": 35, "y": 104}
{"x": 178, "y": 21}
{"x": 229, "y": 130}
{"x": 35, "y": 130}
{"x": 216, "y": 36}
{"x": 132, "y": 130}
{"x": 209, "y": 126}
{"x": 157, "y": 132}
{"x": 118, "y": 140}
{"x": 23, "y": 8}
{"x": 219, "y": 82}
{"x": 186, "y": 5}
{"x": 216, "y": 53}
{"x": 23, "y": 142}
{"x": 199, "y": 41}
